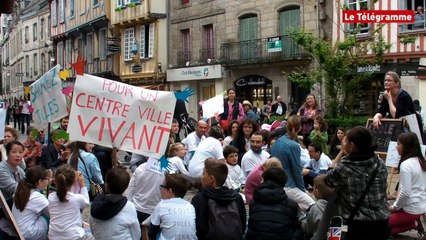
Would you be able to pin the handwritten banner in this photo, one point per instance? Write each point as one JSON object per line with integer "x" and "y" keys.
{"x": 47, "y": 99}
{"x": 3, "y": 109}
{"x": 213, "y": 106}
{"x": 114, "y": 114}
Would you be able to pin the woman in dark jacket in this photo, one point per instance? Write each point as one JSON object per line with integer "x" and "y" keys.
{"x": 272, "y": 214}
{"x": 242, "y": 142}
{"x": 232, "y": 110}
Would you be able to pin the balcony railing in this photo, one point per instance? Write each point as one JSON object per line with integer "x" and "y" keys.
{"x": 183, "y": 57}
{"x": 257, "y": 50}
{"x": 205, "y": 54}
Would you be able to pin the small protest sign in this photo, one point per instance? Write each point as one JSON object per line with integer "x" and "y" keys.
{"x": 213, "y": 106}
{"x": 388, "y": 131}
{"x": 116, "y": 114}
{"x": 3, "y": 110}
{"x": 47, "y": 100}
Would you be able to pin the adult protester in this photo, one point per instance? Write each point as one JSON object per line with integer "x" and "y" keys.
{"x": 193, "y": 140}
{"x": 279, "y": 108}
{"x": 242, "y": 141}
{"x": 233, "y": 132}
{"x": 16, "y": 111}
{"x": 83, "y": 160}
{"x": 10, "y": 135}
{"x": 396, "y": 102}
{"x": 104, "y": 155}
{"x": 209, "y": 148}
{"x": 63, "y": 123}
{"x": 10, "y": 171}
{"x": 254, "y": 179}
{"x": 249, "y": 112}
{"x": 308, "y": 111}
{"x": 256, "y": 155}
{"x": 359, "y": 170}
{"x": 232, "y": 110}
{"x": 32, "y": 149}
{"x": 25, "y": 114}
{"x": 410, "y": 204}
{"x": 54, "y": 153}
{"x": 287, "y": 150}
{"x": 336, "y": 142}
{"x": 266, "y": 110}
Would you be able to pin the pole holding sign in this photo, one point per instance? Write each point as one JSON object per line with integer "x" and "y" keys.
{"x": 114, "y": 114}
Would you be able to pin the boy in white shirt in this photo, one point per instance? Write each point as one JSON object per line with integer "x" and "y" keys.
{"x": 236, "y": 178}
{"x": 319, "y": 164}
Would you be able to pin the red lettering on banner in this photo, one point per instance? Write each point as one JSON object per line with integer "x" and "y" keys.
{"x": 116, "y": 87}
{"x": 155, "y": 115}
{"x": 85, "y": 129}
{"x": 148, "y": 95}
{"x": 102, "y": 104}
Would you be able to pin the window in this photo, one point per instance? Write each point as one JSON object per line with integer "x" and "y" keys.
{"x": 27, "y": 30}
{"x": 60, "y": 54}
{"x": 53, "y": 13}
{"x": 359, "y": 28}
{"x": 89, "y": 47}
{"x": 95, "y": 3}
{"x": 43, "y": 63}
{"x": 42, "y": 29}
{"x": 68, "y": 52}
{"x": 72, "y": 8}
{"x": 27, "y": 65}
{"x": 129, "y": 40}
{"x": 48, "y": 26}
{"x": 147, "y": 40}
{"x": 248, "y": 36}
{"x": 185, "y": 55}
{"x": 102, "y": 43}
{"x": 120, "y": 3}
{"x": 61, "y": 11}
{"x": 35, "y": 64}
{"x": 35, "y": 32}
{"x": 289, "y": 18}
{"x": 208, "y": 42}
{"x": 419, "y": 15}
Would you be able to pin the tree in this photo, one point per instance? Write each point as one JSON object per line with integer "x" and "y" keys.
{"x": 335, "y": 66}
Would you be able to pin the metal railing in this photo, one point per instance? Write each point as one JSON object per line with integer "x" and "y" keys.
{"x": 206, "y": 53}
{"x": 183, "y": 57}
{"x": 257, "y": 50}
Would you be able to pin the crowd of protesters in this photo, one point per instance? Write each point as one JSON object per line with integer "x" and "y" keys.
{"x": 291, "y": 176}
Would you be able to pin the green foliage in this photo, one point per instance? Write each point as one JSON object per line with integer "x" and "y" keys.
{"x": 405, "y": 38}
{"x": 336, "y": 66}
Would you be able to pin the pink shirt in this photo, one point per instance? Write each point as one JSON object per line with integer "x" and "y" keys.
{"x": 254, "y": 179}
{"x": 241, "y": 113}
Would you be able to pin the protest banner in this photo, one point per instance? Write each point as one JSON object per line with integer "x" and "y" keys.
{"x": 213, "y": 106}
{"x": 47, "y": 100}
{"x": 388, "y": 131}
{"x": 413, "y": 124}
{"x": 115, "y": 114}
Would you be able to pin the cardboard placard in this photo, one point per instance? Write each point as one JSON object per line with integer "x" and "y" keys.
{"x": 9, "y": 216}
{"x": 385, "y": 133}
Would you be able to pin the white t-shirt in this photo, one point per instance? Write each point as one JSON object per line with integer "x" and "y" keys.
{"x": 176, "y": 218}
{"x": 66, "y": 221}
{"x": 30, "y": 221}
{"x": 304, "y": 157}
{"x": 251, "y": 160}
{"x": 321, "y": 164}
{"x": 209, "y": 148}
{"x": 143, "y": 190}
{"x": 235, "y": 177}
{"x": 176, "y": 165}
{"x": 191, "y": 142}
{"x": 227, "y": 141}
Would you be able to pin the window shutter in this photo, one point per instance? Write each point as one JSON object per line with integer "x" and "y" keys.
{"x": 151, "y": 40}
{"x": 142, "y": 45}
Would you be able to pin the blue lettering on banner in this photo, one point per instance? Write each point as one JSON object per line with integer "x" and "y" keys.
{"x": 47, "y": 110}
{"x": 45, "y": 83}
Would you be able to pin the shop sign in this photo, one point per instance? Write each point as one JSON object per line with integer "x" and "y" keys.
{"x": 113, "y": 47}
{"x": 194, "y": 73}
{"x": 136, "y": 68}
{"x": 274, "y": 44}
{"x": 250, "y": 82}
{"x": 369, "y": 69}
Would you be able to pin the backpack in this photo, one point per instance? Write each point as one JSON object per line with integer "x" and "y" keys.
{"x": 224, "y": 221}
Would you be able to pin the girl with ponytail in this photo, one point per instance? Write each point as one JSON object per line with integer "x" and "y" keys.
{"x": 30, "y": 207}
{"x": 65, "y": 207}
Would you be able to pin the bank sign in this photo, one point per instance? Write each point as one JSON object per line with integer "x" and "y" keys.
{"x": 194, "y": 73}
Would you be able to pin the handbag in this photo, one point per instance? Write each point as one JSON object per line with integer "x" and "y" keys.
{"x": 338, "y": 226}
{"x": 95, "y": 188}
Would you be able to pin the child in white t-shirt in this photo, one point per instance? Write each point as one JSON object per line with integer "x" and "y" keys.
{"x": 177, "y": 152}
{"x": 173, "y": 217}
{"x": 66, "y": 221}
{"x": 236, "y": 178}
{"x": 30, "y": 206}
